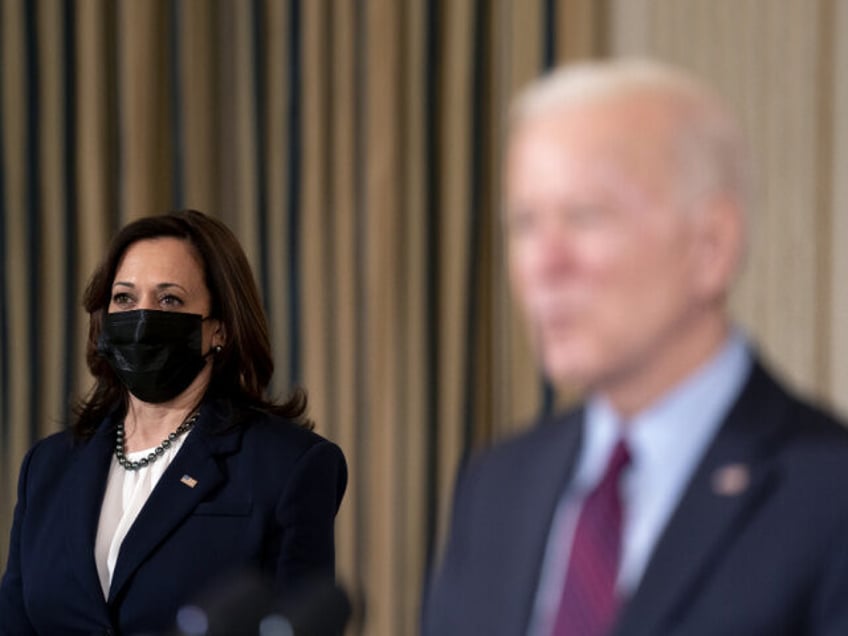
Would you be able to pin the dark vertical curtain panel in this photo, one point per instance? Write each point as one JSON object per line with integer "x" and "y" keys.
{"x": 354, "y": 147}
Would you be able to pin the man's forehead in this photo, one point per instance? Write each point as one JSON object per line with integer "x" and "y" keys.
{"x": 639, "y": 116}
{"x": 623, "y": 141}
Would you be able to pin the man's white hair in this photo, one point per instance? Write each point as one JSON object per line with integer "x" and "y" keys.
{"x": 709, "y": 153}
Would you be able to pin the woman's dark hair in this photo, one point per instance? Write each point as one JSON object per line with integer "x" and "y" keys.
{"x": 242, "y": 370}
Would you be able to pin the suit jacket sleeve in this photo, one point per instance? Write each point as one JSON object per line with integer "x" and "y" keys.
{"x": 306, "y": 513}
{"x": 13, "y": 618}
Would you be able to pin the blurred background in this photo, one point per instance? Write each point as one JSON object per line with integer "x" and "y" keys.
{"x": 355, "y": 147}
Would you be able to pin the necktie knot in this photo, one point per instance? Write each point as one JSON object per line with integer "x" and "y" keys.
{"x": 618, "y": 461}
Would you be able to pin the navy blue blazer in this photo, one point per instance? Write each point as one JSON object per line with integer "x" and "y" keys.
{"x": 265, "y": 497}
{"x": 769, "y": 560}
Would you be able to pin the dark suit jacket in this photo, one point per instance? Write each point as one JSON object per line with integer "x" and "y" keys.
{"x": 769, "y": 561}
{"x": 266, "y": 497}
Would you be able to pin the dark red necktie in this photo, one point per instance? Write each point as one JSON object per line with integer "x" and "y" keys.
{"x": 589, "y": 604}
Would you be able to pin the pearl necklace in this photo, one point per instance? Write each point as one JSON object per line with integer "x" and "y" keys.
{"x": 156, "y": 453}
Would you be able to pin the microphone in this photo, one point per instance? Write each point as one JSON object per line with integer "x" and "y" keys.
{"x": 245, "y": 604}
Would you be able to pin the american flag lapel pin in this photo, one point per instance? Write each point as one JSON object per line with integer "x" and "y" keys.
{"x": 731, "y": 480}
{"x": 189, "y": 481}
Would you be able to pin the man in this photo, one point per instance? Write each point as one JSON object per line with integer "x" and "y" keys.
{"x": 690, "y": 494}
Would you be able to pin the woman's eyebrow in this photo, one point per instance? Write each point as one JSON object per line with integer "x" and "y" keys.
{"x": 159, "y": 287}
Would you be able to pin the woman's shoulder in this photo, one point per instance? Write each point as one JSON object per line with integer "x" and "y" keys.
{"x": 260, "y": 427}
{"x": 267, "y": 428}
{"x": 49, "y": 457}
{"x": 279, "y": 448}
{"x": 265, "y": 435}
{"x": 54, "y": 446}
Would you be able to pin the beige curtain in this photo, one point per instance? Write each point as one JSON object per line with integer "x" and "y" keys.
{"x": 354, "y": 147}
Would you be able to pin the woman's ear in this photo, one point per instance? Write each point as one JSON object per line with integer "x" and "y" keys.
{"x": 219, "y": 334}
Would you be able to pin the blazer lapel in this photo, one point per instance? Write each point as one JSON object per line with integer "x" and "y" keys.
{"x": 193, "y": 474}
{"x": 546, "y": 478}
{"x": 734, "y": 477}
{"x": 83, "y": 497}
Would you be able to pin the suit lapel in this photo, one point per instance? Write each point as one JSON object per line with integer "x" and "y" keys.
{"x": 83, "y": 496}
{"x": 193, "y": 474}
{"x": 734, "y": 477}
{"x": 548, "y": 474}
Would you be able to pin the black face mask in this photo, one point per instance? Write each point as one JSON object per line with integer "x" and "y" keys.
{"x": 156, "y": 354}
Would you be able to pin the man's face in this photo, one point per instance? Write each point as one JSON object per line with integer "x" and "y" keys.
{"x": 602, "y": 258}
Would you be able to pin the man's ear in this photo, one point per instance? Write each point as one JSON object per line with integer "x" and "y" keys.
{"x": 720, "y": 245}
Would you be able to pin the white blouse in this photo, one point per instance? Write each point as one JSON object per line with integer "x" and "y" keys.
{"x": 126, "y": 493}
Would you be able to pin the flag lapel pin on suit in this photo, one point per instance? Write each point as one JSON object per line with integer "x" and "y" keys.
{"x": 731, "y": 480}
{"x": 189, "y": 481}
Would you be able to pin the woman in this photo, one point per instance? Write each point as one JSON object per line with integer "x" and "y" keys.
{"x": 178, "y": 469}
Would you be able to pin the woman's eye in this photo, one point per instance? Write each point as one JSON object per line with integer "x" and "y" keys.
{"x": 171, "y": 301}
{"x": 121, "y": 298}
